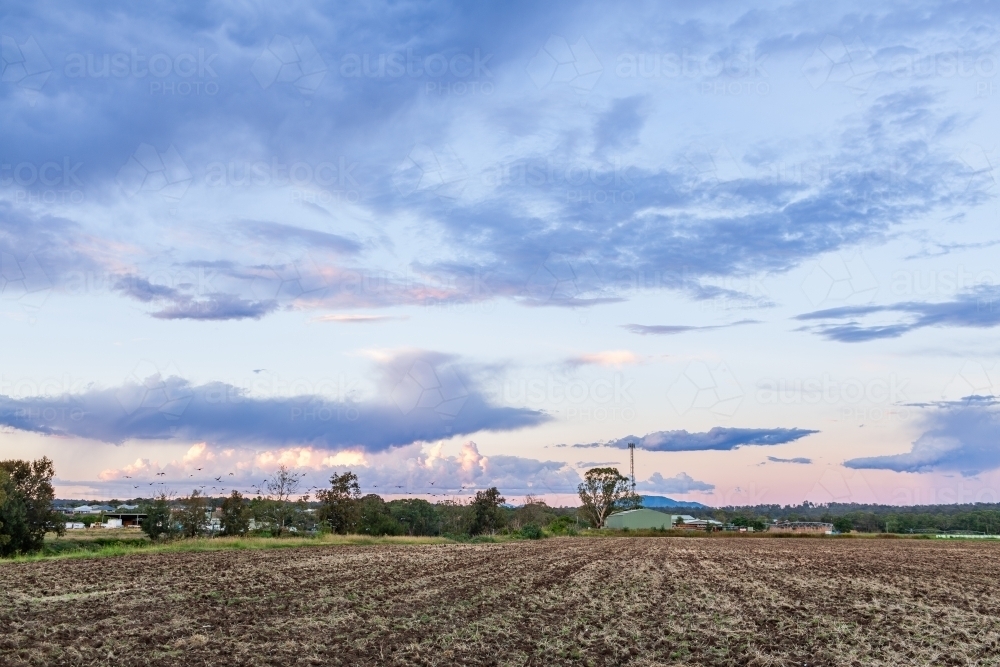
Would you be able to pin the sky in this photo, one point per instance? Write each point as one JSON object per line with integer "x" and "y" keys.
{"x": 450, "y": 246}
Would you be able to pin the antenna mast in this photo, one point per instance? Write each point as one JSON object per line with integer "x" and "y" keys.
{"x": 631, "y": 461}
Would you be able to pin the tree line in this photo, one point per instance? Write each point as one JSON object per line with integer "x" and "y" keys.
{"x": 870, "y": 518}
{"x": 27, "y": 514}
{"x": 341, "y": 508}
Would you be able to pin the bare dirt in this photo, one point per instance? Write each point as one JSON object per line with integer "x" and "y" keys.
{"x": 615, "y": 601}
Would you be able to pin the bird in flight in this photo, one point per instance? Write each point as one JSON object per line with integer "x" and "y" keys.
{"x": 219, "y": 478}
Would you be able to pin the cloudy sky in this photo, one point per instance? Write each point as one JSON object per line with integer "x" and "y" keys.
{"x": 450, "y": 247}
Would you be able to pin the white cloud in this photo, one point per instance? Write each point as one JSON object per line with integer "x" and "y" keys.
{"x": 679, "y": 483}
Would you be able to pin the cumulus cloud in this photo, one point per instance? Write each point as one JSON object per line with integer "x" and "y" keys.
{"x": 422, "y": 397}
{"x": 679, "y": 483}
{"x": 959, "y": 436}
{"x": 718, "y": 438}
{"x": 978, "y": 308}
{"x": 417, "y": 469}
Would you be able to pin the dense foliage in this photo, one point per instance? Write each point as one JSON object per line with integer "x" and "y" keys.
{"x": 236, "y": 515}
{"x": 338, "y": 509}
{"x": 157, "y": 523}
{"x": 191, "y": 515}
{"x": 605, "y": 491}
{"x": 26, "y": 513}
{"x": 979, "y": 517}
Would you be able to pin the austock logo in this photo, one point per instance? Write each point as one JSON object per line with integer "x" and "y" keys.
{"x": 23, "y": 65}
{"x": 559, "y": 63}
{"x": 840, "y": 278}
{"x": 425, "y": 387}
{"x": 440, "y": 173}
{"x": 149, "y": 171}
{"x": 704, "y": 387}
{"x": 286, "y": 278}
{"x": 150, "y": 388}
{"x": 24, "y": 281}
{"x": 833, "y": 61}
{"x": 285, "y": 61}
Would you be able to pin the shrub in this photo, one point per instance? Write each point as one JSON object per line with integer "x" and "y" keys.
{"x": 487, "y": 515}
{"x": 530, "y": 532}
{"x": 415, "y": 516}
{"x": 563, "y": 525}
{"x": 157, "y": 521}
{"x": 374, "y": 517}
{"x": 843, "y": 524}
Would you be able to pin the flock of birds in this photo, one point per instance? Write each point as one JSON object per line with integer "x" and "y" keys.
{"x": 261, "y": 488}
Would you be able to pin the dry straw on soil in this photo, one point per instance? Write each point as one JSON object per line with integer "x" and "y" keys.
{"x": 615, "y": 601}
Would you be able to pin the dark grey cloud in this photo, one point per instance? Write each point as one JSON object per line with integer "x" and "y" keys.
{"x": 684, "y": 226}
{"x": 175, "y": 304}
{"x": 672, "y": 329}
{"x": 960, "y": 437}
{"x": 423, "y": 397}
{"x": 718, "y": 438}
{"x": 977, "y": 308}
{"x": 677, "y": 224}
{"x": 618, "y": 127}
{"x": 797, "y": 459}
{"x": 216, "y": 307}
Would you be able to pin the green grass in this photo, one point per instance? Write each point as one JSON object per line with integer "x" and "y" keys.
{"x": 105, "y": 546}
{"x": 731, "y": 534}
{"x": 59, "y": 548}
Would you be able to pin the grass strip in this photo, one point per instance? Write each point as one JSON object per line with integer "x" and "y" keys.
{"x": 61, "y": 550}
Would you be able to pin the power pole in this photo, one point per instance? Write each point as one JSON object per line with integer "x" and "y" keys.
{"x": 631, "y": 461}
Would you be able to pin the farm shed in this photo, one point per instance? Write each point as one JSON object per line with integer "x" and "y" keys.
{"x": 801, "y": 527}
{"x": 699, "y": 524}
{"x": 124, "y": 519}
{"x": 639, "y": 519}
{"x": 92, "y": 509}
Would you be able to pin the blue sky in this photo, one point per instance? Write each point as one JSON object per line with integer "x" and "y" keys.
{"x": 450, "y": 247}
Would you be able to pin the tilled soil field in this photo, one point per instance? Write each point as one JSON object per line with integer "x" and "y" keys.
{"x": 614, "y": 601}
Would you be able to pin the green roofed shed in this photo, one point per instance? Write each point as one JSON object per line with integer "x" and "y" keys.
{"x": 639, "y": 519}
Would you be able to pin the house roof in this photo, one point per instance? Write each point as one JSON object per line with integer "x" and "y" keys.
{"x": 82, "y": 509}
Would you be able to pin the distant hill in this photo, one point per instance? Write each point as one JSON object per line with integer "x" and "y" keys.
{"x": 663, "y": 501}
